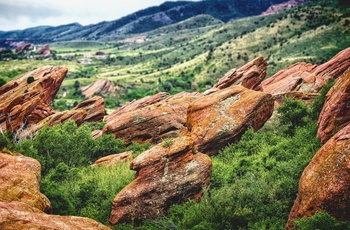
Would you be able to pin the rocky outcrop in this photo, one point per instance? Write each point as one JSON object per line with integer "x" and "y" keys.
{"x": 45, "y": 51}
{"x": 152, "y": 123}
{"x": 114, "y": 159}
{"x": 325, "y": 183}
{"x": 21, "y": 216}
{"x": 26, "y": 99}
{"x": 169, "y": 173}
{"x": 19, "y": 181}
{"x": 136, "y": 104}
{"x": 335, "y": 113}
{"x": 90, "y": 110}
{"x": 276, "y": 8}
{"x": 94, "y": 107}
{"x": 100, "y": 87}
{"x": 307, "y": 78}
{"x": 250, "y": 76}
{"x": 222, "y": 117}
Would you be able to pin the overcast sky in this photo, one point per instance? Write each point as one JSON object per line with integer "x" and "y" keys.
{"x": 21, "y": 14}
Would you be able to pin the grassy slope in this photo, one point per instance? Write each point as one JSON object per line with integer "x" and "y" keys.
{"x": 201, "y": 49}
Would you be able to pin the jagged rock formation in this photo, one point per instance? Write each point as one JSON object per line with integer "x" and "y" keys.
{"x": 152, "y": 123}
{"x": 19, "y": 181}
{"x": 137, "y": 104}
{"x": 167, "y": 174}
{"x": 45, "y": 51}
{"x": 26, "y": 99}
{"x": 250, "y": 76}
{"x": 90, "y": 110}
{"x": 100, "y": 87}
{"x": 20, "y": 216}
{"x": 114, "y": 159}
{"x": 335, "y": 113}
{"x": 94, "y": 107}
{"x": 306, "y": 78}
{"x": 325, "y": 183}
{"x": 276, "y": 8}
{"x": 222, "y": 117}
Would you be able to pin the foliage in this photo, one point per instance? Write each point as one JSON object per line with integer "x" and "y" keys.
{"x": 318, "y": 103}
{"x": 321, "y": 221}
{"x": 70, "y": 145}
{"x": 85, "y": 191}
{"x": 137, "y": 148}
{"x": 2, "y": 82}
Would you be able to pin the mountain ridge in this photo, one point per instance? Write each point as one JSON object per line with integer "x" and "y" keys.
{"x": 144, "y": 20}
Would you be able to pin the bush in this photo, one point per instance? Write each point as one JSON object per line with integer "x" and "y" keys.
{"x": 321, "y": 221}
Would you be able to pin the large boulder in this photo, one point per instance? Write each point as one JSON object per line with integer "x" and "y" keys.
{"x": 335, "y": 113}
{"x": 153, "y": 123}
{"x": 250, "y": 76}
{"x": 26, "y": 99}
{"x": 305, "y": 77}
{"x": 137, "y": 104}
{"x": 325, "y": 183}
{"x": 222, "y": 117}
{"x": 99, "y": 87}
{"x": 169, "y": 173}
{"x": 20, "y": 216}
{"x": 19, "y": 181}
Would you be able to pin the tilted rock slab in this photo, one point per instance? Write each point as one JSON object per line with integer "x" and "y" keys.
{"x": 26, "y": 99}
{"x": 114, "y": 159}
{"x": 250, "y": 76}
{"x": 21, "y": 216}
{"x": 168, "y": 173}
{"x": 325, "y": 183}
{"x": 101, "y": 86}
{"x": 152, "y": 123}
{"x": 137, "y": 104}
{"x": 221, "y": 118}
{"x": 335, "y": 114}
{"x": 19, "y": 181}
{"x": 90, "y": 110}
{"x": 305, "y": 77}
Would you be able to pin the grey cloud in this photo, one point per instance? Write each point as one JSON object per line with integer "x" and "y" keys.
{"x": 13, "y": 12}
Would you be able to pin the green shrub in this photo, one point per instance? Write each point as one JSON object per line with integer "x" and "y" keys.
{"x": 137, "y": 148}
{"x": 320, "y": 221}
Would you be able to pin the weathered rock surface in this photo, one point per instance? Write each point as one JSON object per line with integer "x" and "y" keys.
{"x": 94, "y": 107}
{"x": 325, "y": 183}
{"x": 114, "y": 159}
{"x": 90, "y": 110}
{"x": 307, "y": 78}
{"x": 152, "y": 123}
{"x": 27, "y": 98}
{"x": 21, "y": 216}
{"x": 250, "y": 76}
{"x": 19, "y": 181}
{"x": 166, "y": 175}
{"x": 99, "y": 87}
{"x": 222, "y": 117}
{"x": 137, "y": 104}
{"x": 335, "y": 113}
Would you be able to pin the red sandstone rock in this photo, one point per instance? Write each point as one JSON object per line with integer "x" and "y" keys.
{"x": 325, "y": 183}
{"x": 99, "y": 87}
{"x": 94, "y": 107}
{"x": 152, "y": 123}
{"x": 19, "y": 181}
{"x": 21, "y": 216}
{"x": 222, "y": 117}
{"x": 136, "y": 104}
{"x": 44, "y": 51}
{"x": 250, "y": 76}
{"x": 307, "y": 78}
{"x": 26, "y": 99}
{"x": 335, "y": 113}
{"x": 114, "y": 159}
{"x": 166, "y": 175}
